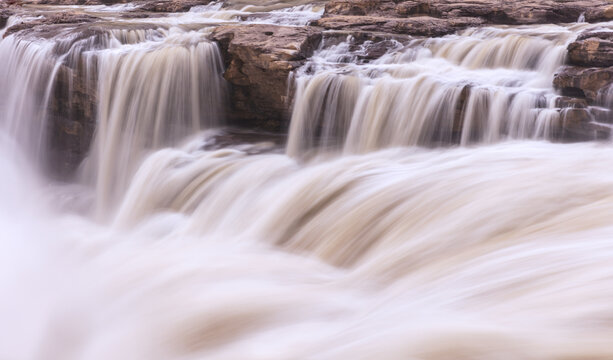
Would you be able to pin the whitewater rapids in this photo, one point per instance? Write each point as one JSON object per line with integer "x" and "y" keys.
{"x": 496, "y": 252}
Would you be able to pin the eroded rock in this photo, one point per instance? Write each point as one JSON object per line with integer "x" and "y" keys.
{"x": 170, "y": 6}
{"x": 51, "y": 19}
{"x": 492, "y": 11}
{"x": 592, "y": 49}
{"x": 418, "y": 26}
{"x": 259, "y": 59}
{"x": 583, "y": 82}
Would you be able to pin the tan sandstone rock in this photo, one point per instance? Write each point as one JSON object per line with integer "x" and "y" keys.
{"x": 259, "y": 59}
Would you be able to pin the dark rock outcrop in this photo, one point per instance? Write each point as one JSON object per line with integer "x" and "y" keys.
{"x": 259, "y": 60}
{"x": 72, "y": 117}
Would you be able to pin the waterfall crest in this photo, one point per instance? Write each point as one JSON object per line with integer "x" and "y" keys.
{"x": 479, "y": 86}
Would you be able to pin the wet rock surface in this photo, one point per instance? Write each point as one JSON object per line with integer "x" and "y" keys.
{"x": 259, "y": 59}
{"x": 246, "y": 140}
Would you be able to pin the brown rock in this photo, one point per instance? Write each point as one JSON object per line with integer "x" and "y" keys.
{"x": 259, "y": 59}
{"x": 579, "y": 125}
{"x": 570, "y": 102}
{"x": 51, "y": 19}
{"x": 583, "y": 82}
{"x": 76, "y": 2}
{"x": 4, "y": 16}
{"x": 362, "y": 7}
{"x": 6, "y": 10}
{"x": 492, "y": 11}
{"x": 170, "y": 6}
{"x": 72, "y": 117}
{"x": 418, "y": 26}
{"x": 592, "y": 49}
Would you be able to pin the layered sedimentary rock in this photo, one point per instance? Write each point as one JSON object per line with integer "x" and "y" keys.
{"x": 590, "y": 71}
{"x": 418, "y": 26}
{"x": 43, "y": 24}
{"x": 259, "y": 59}
{"x": 583, "y": 82}
{"x": 592, "y": 48}
{"x": 170, "y": 5}
{"x": 492, "y": 11}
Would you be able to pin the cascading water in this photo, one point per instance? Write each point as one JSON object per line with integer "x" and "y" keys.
{"x": 23, "y": 107}
{"x": 149, "y": 88}
{"x": 482, "y": 85}
{"x": 499, "y": 250}
{"x": 151, "y": 96}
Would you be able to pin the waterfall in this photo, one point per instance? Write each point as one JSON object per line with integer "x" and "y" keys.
{"x": 28, "y": 71}
{"x": 151, "y": 96}
{"x": 423, "y": 207}
{"x": 141, "y": 89}
{"x": 481, "y": 85}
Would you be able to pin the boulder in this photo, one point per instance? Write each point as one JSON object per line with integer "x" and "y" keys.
{"x": 583, "y": 82}
{"x": 593, "y": 48}
{"x": 259, "y": 60}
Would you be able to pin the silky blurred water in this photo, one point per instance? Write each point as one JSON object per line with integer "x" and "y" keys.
{"x": 169, "y": 247}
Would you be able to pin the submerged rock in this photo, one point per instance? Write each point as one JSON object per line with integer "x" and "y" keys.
{"x": 579, "y": 125}
{"x": 259, "y": 60}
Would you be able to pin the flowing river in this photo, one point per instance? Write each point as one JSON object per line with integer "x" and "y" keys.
{"x": 381, "y": 230}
